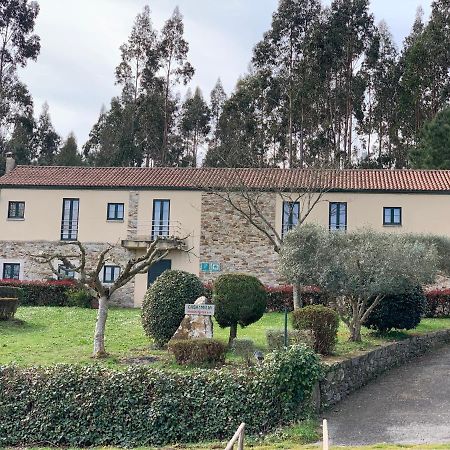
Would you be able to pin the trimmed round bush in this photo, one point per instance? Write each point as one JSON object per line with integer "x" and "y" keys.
{"x": 239, "y": 299}
{"x": 400, "y": 312}
{"x": 198, "y": 352}
{"x": 163, "y": 307}
{"x": 324, "y": 324}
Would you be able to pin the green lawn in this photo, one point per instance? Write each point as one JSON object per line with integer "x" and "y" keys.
{"x": 64, "y": 335}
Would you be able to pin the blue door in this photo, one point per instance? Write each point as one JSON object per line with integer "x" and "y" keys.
{"x": 157, "y": 269}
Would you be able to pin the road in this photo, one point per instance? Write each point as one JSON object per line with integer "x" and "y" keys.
{"x": 407, "y": 405}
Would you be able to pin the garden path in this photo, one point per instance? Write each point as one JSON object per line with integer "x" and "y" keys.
{"x": 407, "y": 405}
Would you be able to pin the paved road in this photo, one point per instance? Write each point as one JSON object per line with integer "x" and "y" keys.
{"x": 410, "y": 404}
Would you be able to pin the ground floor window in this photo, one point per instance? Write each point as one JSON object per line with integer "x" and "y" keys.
{"x": 11, "y": 271}
{"x": 64, "y": 273}
{"x": 110, "y": 274}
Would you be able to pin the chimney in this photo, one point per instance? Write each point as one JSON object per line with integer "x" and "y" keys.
{"x": 10, "y": 163}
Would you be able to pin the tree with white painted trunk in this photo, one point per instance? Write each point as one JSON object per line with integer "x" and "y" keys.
{"x": 360, "y": 268}
{"x": 89, "y": 270}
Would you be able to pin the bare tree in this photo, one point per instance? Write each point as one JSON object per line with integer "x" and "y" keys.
{"x": 89, "y": 275}
{"x": 250, "y": 203}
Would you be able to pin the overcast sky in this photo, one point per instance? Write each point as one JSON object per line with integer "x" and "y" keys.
{"x": 80, "y": 43}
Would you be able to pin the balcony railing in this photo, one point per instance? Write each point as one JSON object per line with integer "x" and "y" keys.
{"x": 69, "y": 230}
{"x": 168, "y": 233}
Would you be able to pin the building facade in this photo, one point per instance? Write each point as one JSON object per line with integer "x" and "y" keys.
{"x": 42, "y": 208}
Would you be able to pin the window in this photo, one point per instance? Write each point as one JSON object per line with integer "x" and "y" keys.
{"x": 161, "y": 216}
{"x": 115, "y": 211}
{"x": 65, "y": 273}
{"x": 11, "y": 271}
{"x": 392, "y": 216}
{"x": 291, "y": 216}
{"x": 16, "y": 210}
{"x": 110, "y": 274}
{"x": 69, "y": 221}
{"x": 338, "y": 216}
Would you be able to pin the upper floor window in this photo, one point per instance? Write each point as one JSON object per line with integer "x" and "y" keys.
{"x": 16, "y": 210}
{"x": 115, "y": 211}
{"x": 110, "y": 274}
{"x": 392, "y": 216}
{"x": 161, "y": 218}
{"x": 65, "y": 273}
{"x": 69, "y": 221}
{"x": 291, "y": 216}
{"x": 11, "y": 271}
{"x": 338, "y": 216}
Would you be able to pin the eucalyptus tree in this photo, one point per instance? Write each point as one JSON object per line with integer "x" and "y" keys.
{"x": 173, "y": 51}
{"x": 217, "y": 99}
{"x": 68, "y": 154}
{"x": 284, "y": 53}
{"x": 46, "y": 139}
{"x": 18, "y": 45}
{"x": 358, "y": 268}
{"x": 195, "y": 118}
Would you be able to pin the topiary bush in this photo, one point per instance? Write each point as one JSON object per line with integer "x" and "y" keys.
{"x": 401, "y": 312}
{"x": 324, "y": 324}
{"x": 197, "y": 352}
{"x": 163, "y": 307}
{"x": 239, "y": 299}
{"x": 438, "y": 303}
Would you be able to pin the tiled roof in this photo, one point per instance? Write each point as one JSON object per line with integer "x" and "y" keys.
{"x": 207, "y": 178}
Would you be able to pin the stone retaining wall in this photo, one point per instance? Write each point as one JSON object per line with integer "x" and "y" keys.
{"x": 346, "y": 376}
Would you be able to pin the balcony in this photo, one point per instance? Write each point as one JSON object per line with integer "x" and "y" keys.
{"x": 169, "y": 236}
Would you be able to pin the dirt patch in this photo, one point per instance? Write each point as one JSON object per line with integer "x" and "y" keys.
{"x": 140, "y": 360}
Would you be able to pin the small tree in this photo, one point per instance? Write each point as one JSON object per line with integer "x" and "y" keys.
{"x": 360, "y": 268}
{"x": 89, "y": 276}
{"x": 239, "y": 299}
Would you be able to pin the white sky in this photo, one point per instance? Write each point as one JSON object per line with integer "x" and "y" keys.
{"x": 80, "y": 43}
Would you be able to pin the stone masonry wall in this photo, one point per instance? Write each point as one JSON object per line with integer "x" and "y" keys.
{"x": 34, "y": 270}
{"x": 346, "y": 376}
{"x": 133, "y": 205}
{"x": 229, "y": 239}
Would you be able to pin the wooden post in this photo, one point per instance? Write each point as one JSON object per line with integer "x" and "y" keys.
{"x": 239, "y": 437}
{"x": 325, "y": 435}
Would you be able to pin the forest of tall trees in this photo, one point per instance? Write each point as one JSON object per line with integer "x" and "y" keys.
{"x": 325, "y": 87}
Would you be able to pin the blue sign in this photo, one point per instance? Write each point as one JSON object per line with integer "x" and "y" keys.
{"x": 209, "y": 267}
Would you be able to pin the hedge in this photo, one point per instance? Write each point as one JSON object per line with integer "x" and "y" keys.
{"x": 44, "y": 293}
{"x": 438, "y": 303}
{"x": 279, "y": 297}
{"x": 94, "y": 406}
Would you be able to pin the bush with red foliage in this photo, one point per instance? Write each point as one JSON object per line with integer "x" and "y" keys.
{"x": 438, "y": 303}
{"x": 42, "y": 293}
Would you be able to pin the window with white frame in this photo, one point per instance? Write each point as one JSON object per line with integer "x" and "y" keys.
{"x": 110, "y": 274}
{"x": 392, "y": 216}
{"x": 11, "y": 271}
{"x": 65, "y": 273}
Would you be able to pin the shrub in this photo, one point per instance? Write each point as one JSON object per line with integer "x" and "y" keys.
{"x": 80, "y": 298}
{"x": 8, "y": 307}
{"x": 402, "y": 311}
{"x": 198, "y": 351}
{"x": 324, "y": 324}
{"x": 90, "y": 406}
{"x": 275, "y": 338}
{"x": 438, "y": 303}
{"x": 280, "y": 297}
{"x": 245, "y": 349}
{"x": 239, "y": 299}
{"x": 42, "y": 293}
{"x": 163, "y": 307}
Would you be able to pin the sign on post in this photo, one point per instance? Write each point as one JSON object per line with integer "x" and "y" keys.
{"x": 199, "y": 310}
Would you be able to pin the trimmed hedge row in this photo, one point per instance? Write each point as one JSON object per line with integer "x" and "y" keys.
{"x": 438, "y": 303}
{"x": 93, "y": 406}
{"x": 50, "y": 293}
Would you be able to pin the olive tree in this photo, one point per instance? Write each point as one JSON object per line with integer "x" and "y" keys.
{"x": 358, "y": 268}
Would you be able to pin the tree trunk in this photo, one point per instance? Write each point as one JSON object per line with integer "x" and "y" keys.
{"x": 99, "y": 336}
{"x": 233, "y": 334}
{"x": 297, "y": 296}
{"x": 355, "y": 323}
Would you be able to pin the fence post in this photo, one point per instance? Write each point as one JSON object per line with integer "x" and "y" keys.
{"x": 241, "y": 439}
{"x": 325, "y": 435}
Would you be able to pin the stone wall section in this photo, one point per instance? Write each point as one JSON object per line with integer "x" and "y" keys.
{"x": 133, "y": 205}
{"x": 229, "y": 239}
{"x": 347, "y": 376}
{"x": 34, "y": 270}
